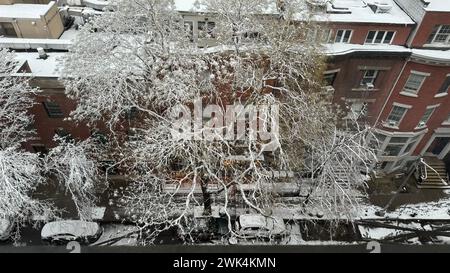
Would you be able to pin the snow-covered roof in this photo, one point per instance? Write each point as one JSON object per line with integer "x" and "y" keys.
{"x": 195, "y": 6}
{"x": 432, "y": 55}
{"x": 438, "y": 5}
{"x": 353, "y": 11}
{"x": 49, "y": 67}
{"x": 25, "y": 11}
{"x": 343, "y": 49}
{"x": 188, "y": 6}
{"x": 356, "y": 11}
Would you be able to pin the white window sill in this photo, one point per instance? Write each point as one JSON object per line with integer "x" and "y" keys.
{"x": 364, "y": 90}
{"x": 391, "y": 127}
{"x": 446, "y": 123}
{"x": 437, "y": 45}
{"x": 409, "y": 94}
{"x": 421, "y": 128}
{"x": 441, "y": 95}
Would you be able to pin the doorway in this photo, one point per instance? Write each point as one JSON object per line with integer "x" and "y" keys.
{"x": 440, "y": 147}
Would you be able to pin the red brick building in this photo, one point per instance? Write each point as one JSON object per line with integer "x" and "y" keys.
{"x": 389, "y": 63}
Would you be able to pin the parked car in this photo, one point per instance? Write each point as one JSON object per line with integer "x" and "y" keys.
{"x": 62, "y": 232}
{"x": 6, "y": 226}
{"x": 259, "y": 226}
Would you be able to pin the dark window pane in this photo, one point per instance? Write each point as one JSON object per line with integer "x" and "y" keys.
{"x": 370, "y": 36}
{"x": 445, "y": 86}
{"x": 379, "y": 37}
{"x": 40, "y": 149}
{"x": 347, "y": 36}
{"x": 433, "y": 33}
{"x": 389, "y": 37}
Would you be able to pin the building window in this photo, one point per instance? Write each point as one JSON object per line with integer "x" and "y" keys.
{"x": 445, "y": 86}
{"x": 396, "y": 115}
{"x": 7, "y": 30}
{"x": 99, "y": 137}
{"x": 39, "y": 149}
{"x": 357, "y": 110}
{"x": 132, "y": 113}
{"x": 395, "y": 146}
{"x": 412, "y": 144}
{"x": 448, "y": 120}
{"x": 380, "y": 37}
{"x": 64, "y": 134}
{"x": 329, "y": 78}
{"x": 440, "y": 35}
{"x": 189, "y": 27}
{"x": 320, "y": 35}
{"x": 206, "y": 29}
{"x": 343, "y": 36}
{"x": 53, "y": 110}
{"x": 369, "y": 77}
{"x": 426, "y": 117}
{"x": 414, "y": 83}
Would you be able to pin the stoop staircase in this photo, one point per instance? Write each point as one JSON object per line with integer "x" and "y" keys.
{"x": 432, "y": 174}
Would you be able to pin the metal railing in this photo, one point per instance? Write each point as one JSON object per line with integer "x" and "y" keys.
{"x": 423, "y": 171}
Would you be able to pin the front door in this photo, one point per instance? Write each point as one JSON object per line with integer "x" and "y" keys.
{"x": 439, "y": 145}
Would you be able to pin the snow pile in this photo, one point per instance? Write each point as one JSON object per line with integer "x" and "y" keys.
{"x": 426, "y": 211}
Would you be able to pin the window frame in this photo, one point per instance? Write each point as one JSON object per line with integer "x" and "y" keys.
{"x": 344, "y": 32}
{"x": 429, "y": 112}
{"x": 389, "y": 120}
{"x": 383, "y": 39}
{"x": 445, "y": 87}
{"x": 409, "y": 91}
{"x": 333, "y": 73}
{"x": 374, "y": 77}
{"x": 206, "y": 33}
{"x": 436, "y": 32}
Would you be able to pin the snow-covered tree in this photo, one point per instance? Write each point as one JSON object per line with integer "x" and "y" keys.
{"x": 74, "y": 166}
{"x": 262, "y": 56}
{"x": 20, "y": 172}
{"x": 15, "y": 100}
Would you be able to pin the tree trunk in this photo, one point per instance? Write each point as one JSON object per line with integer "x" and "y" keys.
{"x": 206, "y": 199}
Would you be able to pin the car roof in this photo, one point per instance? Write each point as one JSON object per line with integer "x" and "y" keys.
{"x": 256, "y": 220}
{"x": 72, "y": 227}
{"x": 4, "y": 225}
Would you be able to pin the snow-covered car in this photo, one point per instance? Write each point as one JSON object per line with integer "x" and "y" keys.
{"x": 258, "y": 226}
{"x": 62, "y": 232}
{"x": 5, "y": 229}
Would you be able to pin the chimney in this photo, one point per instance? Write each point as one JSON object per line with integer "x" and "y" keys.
{"x": 42, "y": 54}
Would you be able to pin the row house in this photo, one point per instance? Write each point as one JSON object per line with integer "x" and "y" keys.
{"x": 389, "y": 65}
{"x": 415, "y": 120}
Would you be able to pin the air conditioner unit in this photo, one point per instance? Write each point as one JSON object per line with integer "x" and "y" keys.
{"x": 329, "y": 89}
{"x": 370, "y": 86}
{"x": 380, "y": 6}
{"x": 392, "y": 123}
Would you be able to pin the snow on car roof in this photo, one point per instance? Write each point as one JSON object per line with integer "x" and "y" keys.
{"x": 25, "y": 11}
{"x": 252, "y": 220}
{"x": 76, "y": 228}
{"x": 4, "y": 226}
